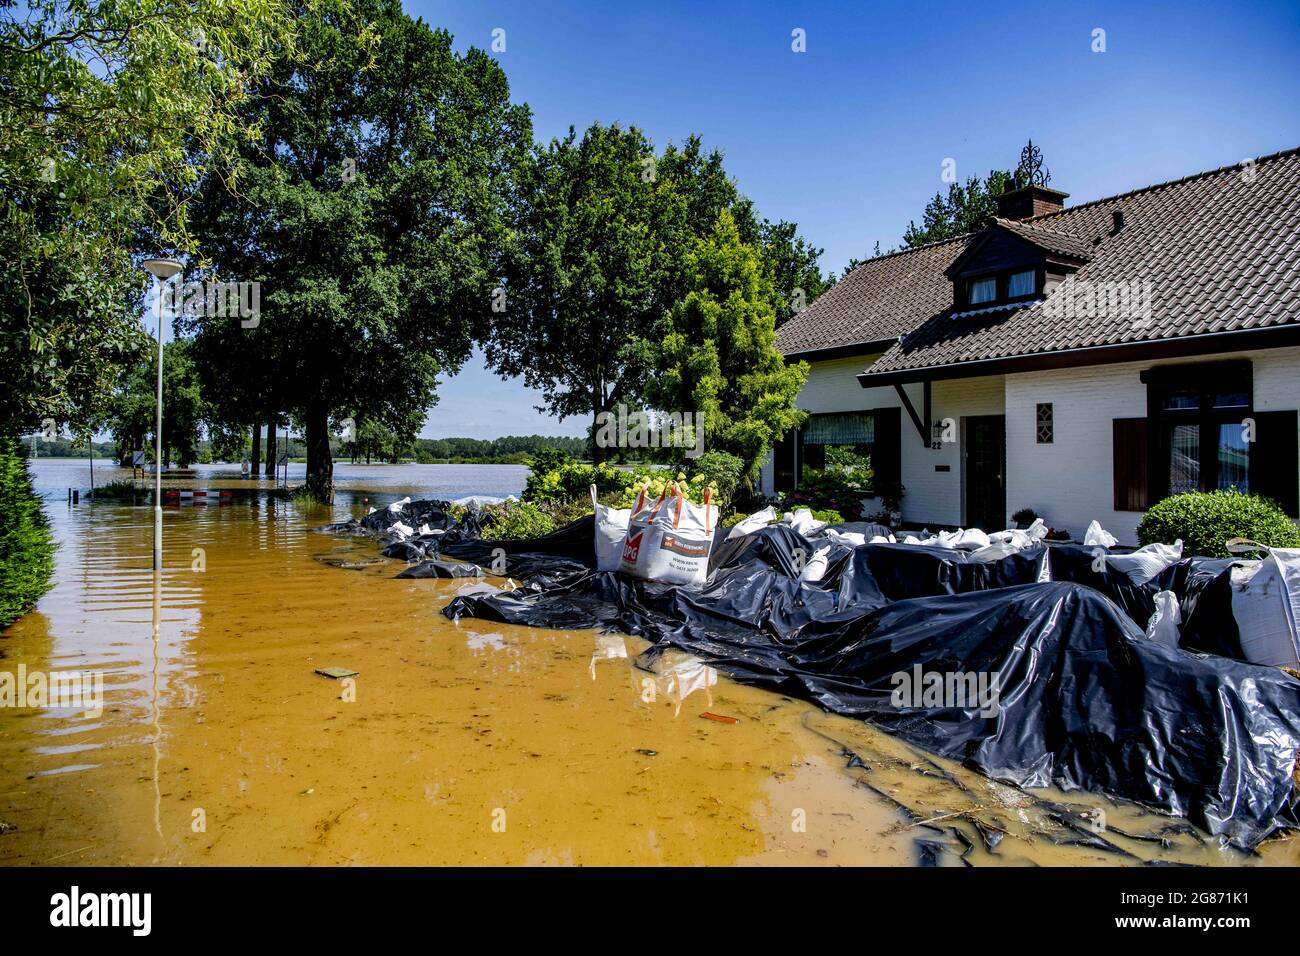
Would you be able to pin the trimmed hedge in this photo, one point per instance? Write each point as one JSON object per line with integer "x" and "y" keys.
{"x": 1206, "y": 520}
{"x": 26, "y": 545}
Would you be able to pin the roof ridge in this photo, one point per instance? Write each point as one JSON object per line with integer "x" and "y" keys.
{"x": 904, "y": 252}
{"x": 1269, "y": 157}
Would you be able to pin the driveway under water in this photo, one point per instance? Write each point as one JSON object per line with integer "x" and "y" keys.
{"x": 464, "y": 744}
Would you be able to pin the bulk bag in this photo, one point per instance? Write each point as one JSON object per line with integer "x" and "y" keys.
{"x": 639, "y": 520}
{"x": 675, "y": 546}
{"x": 1266, "y": 604}
{"x": 611, "y": 533}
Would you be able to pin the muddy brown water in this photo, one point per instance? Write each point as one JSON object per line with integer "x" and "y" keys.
{"x": 474, "y": 743}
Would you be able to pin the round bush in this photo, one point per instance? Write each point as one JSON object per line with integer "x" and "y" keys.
{"x": 1206, "y": 520}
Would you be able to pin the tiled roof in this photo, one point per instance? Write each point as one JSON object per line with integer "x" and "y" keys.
{"x": 1218, "y": 251}
{"x": 1051, "y": 239}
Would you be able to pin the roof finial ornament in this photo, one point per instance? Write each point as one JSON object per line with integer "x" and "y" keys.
{"x": 1030, "y": 172}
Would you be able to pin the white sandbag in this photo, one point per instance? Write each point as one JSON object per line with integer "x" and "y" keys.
{"x": 878, "y": 539}
{"x": 478, "y": 501}
{"x": 755, "y": 522}
{"x": 1163, "y": 626}
{"x": 817, "y": 565}
{"x": 968, "y": 538}
{"x": 401, "y": 530}
{"x": 399, "y": 505}
{"x": 801, "y": 520}
{"x": 675, "y": 546}
{"x": 1145, "y": 563}
{"x": 611, "y": 533}
{"x": 1097, "y": 536}
{"x": 1266, "y": 605}
{"x": 853, "y": 539}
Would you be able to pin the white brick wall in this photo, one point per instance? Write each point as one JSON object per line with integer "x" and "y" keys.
{"x": 1070, "y": 482}
{"x": 932, "y": 496}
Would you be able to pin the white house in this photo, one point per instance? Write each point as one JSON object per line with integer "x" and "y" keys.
{"x": 1081, "y": 361}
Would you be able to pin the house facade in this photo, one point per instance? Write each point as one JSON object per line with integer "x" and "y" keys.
{"x": 1081, "y": 361}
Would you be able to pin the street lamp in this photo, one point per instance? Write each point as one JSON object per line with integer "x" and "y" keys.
{"x": 162, "y": 270}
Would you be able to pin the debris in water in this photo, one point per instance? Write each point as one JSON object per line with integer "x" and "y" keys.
{"x": 720, "y": 718}
{"x": 336, "y": 672}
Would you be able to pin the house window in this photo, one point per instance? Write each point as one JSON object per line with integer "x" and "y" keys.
{"x": 1199, "y": 430}
{"x": 1044, "y": 423}
{"x": 1021, "y": 284}
{"x": 983, "y": 290}
{"x": 836, "y": 439}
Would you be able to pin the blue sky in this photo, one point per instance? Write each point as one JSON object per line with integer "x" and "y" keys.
{"x": 847, "y": 139}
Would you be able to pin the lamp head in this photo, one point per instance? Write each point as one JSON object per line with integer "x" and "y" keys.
{"x": 162, "y": 269}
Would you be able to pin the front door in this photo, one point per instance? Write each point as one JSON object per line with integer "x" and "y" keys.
{"x": 985, "y": 471}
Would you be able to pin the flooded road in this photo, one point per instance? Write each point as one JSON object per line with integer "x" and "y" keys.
{"x": 453, "y": 744}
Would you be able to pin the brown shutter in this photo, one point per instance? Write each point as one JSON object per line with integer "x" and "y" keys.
{"x": 1273, "y": 460}
{"x": 887, "y": 449}
{"x": 1130, "y": 447}
{"x": 783, "y": 462}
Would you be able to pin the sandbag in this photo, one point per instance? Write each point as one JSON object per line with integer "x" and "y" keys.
{"x": 643, "y": 512}
{"x": 1266, "y": 605}
{"x": 759, "y": 519}
{"x": 675, "y": 546}
{"x": 1146, "y": 563}
{"x": 611, "y": 534}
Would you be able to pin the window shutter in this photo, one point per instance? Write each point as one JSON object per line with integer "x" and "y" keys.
{"x": 1273, "y": 460}
{"x": 1130, "y": 464}
{"x": 887, "y": 450}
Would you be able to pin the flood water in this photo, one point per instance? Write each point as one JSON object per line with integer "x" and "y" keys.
{"x": 474, "y": 743}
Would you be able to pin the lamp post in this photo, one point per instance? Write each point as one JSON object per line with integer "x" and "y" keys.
{"x": 162, "y": 270}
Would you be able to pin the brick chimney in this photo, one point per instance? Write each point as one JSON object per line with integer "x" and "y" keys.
{"x": 1027, "y": 201}
{"x": 1028, "y": 194}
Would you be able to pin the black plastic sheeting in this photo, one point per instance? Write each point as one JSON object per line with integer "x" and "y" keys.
{"x": 1085, "y": 700}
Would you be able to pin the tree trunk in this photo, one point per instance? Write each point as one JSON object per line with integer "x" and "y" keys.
{"x": 320, "y": 464}
{"x": 272, "y": 442}
{"x": 257, "y": 448}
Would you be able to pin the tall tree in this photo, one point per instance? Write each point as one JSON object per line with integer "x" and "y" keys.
{"x": 372, "y": 214}
{"x": 586, "y": 268}
{"x": 716, "y": 356}
{"x": 109, "y": 113}
{"x": 960, "y": 212}
{"x": 602, "y": 251}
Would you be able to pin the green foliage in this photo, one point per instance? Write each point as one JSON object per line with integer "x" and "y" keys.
{"x": 731, "y": 520}
{"x": 1206, "y": 520}
{"x": 1024, "y": 517}
{"x": 26, "y": 545}
{"x": 961, "y": 211}
{"x": 829, "y": 515}
{"x": 829, "y": 490}
{"x": 109, "y": 113}
{"x": 121, "y": 490}
{"x": 719, "y": 469}
{"x": 658, "y": 481}
{"x": 516, "y": 520}
{"x": 374, "y": 211}
{"x": 855, "y": 468}
{"x": 131, "y": 412}
{"x": 715, "y": 352}
{"x": 521, "y": 449}
{"x": 557, "y": 478}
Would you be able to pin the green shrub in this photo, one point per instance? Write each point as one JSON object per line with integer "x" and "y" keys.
{"x": 1205, "y": 520}
{"x": 26, "y": 545}
{"x": 829, "y": 490}
{"x": 121, "y": 490}
{"x": 556, "y": 478}
{"x": 731, "y": 520}
{"x": 516, "y": 520}
{"x": 719, "y": 469}
{"x": 829, "y": 515}
{"x": 856, "y": 469}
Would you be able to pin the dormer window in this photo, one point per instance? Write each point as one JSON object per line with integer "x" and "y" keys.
{"x": 1021, "y": 283}
{"x": 983, "y": 290}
